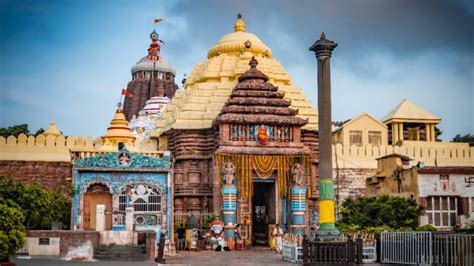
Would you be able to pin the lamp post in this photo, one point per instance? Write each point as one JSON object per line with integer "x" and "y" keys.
{"x": 323, "y": 49}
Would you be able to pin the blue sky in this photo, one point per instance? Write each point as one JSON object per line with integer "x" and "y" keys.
{"x": 68, "y": 60}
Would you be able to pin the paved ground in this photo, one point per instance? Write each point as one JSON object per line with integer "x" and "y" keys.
{"x": 253, "y": 256}
{"x": 58, "y": 262}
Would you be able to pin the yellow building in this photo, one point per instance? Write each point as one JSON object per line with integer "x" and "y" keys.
{"x": 360, "y": 131}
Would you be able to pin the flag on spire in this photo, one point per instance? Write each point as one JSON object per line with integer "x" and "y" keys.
{"x": 158, "y": 20}
{"x": 127, "y": 93}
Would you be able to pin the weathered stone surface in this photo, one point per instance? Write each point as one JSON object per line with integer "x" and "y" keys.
{"x": 49, "y": 174}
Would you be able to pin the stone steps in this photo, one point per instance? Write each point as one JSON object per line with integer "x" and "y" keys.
{"x": 120, "y": 252}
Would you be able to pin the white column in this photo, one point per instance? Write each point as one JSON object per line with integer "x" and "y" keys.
{"x": 129, "y": 219}
{"x": 100, "y": 218}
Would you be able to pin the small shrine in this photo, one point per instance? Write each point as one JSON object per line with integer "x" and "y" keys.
{"x": 128, "y": 190}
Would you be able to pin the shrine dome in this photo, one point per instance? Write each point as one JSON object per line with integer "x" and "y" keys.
{"x": 211, "y": 82}
{"x": 146, "y": 64}
{"x": 239, "y": 40}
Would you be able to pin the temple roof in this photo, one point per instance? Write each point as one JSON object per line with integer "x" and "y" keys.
{"x": 118, "y": 131}
{"x": 210, "y": 84}
{"x": 253, "y": 100}
{"x": 408, "y": 112}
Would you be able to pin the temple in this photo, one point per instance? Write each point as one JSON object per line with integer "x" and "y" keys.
{"x": 240, "y": 142}
{"x": 251, "y": 117}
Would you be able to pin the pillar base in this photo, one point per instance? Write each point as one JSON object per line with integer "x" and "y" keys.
{"x": 328, "y": 232}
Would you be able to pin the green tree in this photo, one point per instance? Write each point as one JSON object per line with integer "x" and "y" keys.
{"x": 466, "y": 138}
{"x": 12, "y": 231}
{"x": 384, "y": 212}
{"x": 40, "y": 206}
{"x": 16, "y": 130}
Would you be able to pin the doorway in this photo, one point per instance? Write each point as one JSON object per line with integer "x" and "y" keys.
{"x": 95, "y": 195}
{"x": 263, "y": 210}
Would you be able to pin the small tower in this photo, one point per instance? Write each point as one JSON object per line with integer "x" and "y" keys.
{"x": 118, "y": 132}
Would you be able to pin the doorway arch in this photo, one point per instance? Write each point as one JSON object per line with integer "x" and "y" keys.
{"x": 97, "y": 194}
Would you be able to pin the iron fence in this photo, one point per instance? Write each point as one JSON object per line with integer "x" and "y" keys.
{"x": 426, "y": 248}
{"x": 332, "y": 252}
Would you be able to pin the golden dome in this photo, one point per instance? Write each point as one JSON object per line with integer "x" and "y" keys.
{"x": 118, "y": 131}
{"x": 52, "y": 130}
{"x": 238, "y": 42}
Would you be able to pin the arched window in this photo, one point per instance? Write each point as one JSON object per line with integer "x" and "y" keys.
{"x": 145, "y": 198}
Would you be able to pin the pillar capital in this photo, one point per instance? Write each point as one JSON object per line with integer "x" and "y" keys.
{"x": 323, "y": 47}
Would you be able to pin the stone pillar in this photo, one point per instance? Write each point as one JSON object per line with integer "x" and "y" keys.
{"x": 432, "y": 132}
{"x": 323, "y": 49}
{"x": 394, "y": 133}
{"x": 428, "y": 132}
{"x": 400, "y": 131}
{"x": 298, "y": 210}
{"x": 229, "y": 207}
{"x": 129, "y": 219}
{"x": 100, "y": 218}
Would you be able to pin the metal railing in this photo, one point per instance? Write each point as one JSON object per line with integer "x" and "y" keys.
{"x": 426, "y": 248}
{"x": 332, "y": 252}
{"x": 453, "y": 249}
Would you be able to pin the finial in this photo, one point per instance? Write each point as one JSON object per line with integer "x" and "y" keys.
{"x": 253, "y": 62}
{"x": 239, "y": 24}
{"x": 323, "y": 36}
{"x": 119, "y": 105}
{"x": 52, "y": 123}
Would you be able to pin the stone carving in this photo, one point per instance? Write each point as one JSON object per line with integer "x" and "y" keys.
{"x": 262, "y": 134}
{"x": 229, "y": 171}
{"x": 297, "y": 171}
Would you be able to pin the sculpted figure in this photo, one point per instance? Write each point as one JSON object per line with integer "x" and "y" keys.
{"x": 229, "y": 171}
{"x": 297, "y": 171}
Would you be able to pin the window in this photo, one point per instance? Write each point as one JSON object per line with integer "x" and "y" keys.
{"x": 43, "y": 241}
{"x": 375, "y": 138}
{"x": 355, "y": 137}
{"x": 472, "y": 204}
{"x": 145, "y": 198}
{"x": 442, "y": 211}
{"x": 413, "y": 134}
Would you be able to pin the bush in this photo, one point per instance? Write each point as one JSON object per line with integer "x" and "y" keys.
{"x": 426, "y": 227}
{"x": 12, "y": 231}
{"x": 40, "y": 206}
{"x": 384, "y": 212}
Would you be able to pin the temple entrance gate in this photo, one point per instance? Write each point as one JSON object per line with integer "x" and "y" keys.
{"x": 97, "y": 194}
{"x": 263, "y": 210}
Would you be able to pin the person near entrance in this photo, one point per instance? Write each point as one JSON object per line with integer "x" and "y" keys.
{"x": 181, "y": 231}
{"x": 277, "y": 234}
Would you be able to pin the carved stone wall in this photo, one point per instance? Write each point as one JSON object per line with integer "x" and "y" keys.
{"x": 193, "y": 175}
{"x": 145, "y": 87}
